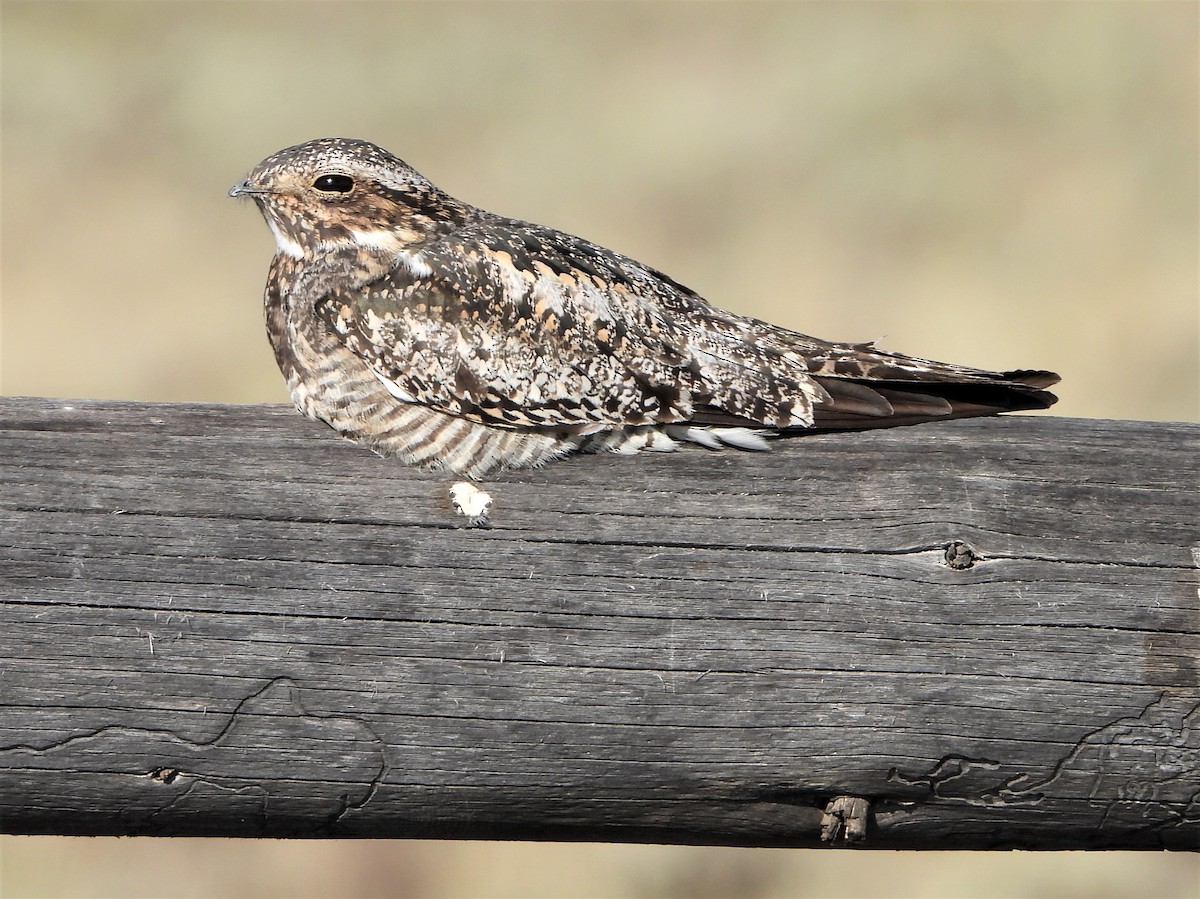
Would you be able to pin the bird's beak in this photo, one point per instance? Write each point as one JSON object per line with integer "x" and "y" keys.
{"x": 243, "y": 189}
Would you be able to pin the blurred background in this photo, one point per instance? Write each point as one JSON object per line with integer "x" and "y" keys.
{"x": 1002, "y": 185}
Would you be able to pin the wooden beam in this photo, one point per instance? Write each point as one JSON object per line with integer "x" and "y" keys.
{"x": 225, "y": 620}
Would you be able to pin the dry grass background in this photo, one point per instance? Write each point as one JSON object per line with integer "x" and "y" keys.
{"x": 999, "y": 184}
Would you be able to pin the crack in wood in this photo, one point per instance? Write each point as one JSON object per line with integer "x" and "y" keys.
{"x": 240, "y": 761}
{"x": 951, "y": 772}
{"x": 1151, "y": 759}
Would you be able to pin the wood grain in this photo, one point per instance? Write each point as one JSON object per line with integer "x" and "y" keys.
{"x": 225, "y": 620}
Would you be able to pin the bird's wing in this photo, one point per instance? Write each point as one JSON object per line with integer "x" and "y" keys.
{"x": 515, "y": 325}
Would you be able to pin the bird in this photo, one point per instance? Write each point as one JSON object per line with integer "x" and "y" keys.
{"x": 462, "y": 341}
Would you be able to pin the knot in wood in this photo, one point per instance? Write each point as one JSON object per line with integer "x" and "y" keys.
{"x": 960, "y": 555}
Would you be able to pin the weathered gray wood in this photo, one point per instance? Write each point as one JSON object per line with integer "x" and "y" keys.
{"x": 224, "y": 620}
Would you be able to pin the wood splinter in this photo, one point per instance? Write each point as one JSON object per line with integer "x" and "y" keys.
{"x": 845, "y": 816}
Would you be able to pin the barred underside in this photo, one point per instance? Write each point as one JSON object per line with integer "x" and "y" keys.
{"x": 331, "y": 384}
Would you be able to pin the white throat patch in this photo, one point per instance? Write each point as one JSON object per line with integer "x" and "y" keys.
{"x": 287, "y": 246}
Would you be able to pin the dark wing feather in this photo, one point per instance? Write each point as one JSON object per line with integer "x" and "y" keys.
{"x": 867, "y": 387}
{"x": 870, "y": 387}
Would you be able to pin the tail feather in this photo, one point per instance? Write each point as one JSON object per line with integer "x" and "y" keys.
{"x": 1039, "y": 379}
{"x": 912, "y": 401}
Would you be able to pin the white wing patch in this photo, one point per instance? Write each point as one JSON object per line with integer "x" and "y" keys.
{"x": 634, "y": 439}
{"x": 394, "y": 389}
{"x": 742, "y": 438}
{"x": 716, "y": 438}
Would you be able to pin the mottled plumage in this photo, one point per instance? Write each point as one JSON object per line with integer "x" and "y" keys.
{"x": 460, "y": 340}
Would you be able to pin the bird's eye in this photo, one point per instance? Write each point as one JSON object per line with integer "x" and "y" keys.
{"x": 334, "y": 184}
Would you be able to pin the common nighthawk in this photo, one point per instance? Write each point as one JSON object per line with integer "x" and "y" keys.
{"x": 464, "y": 341}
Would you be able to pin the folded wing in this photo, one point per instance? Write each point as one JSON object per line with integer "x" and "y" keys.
{"x": 518, "y": 326}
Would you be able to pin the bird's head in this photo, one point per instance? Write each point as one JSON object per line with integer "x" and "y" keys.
{"x": 336, "y": 194}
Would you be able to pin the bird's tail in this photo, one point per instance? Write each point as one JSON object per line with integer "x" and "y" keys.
{"x": 871, "y": 388}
